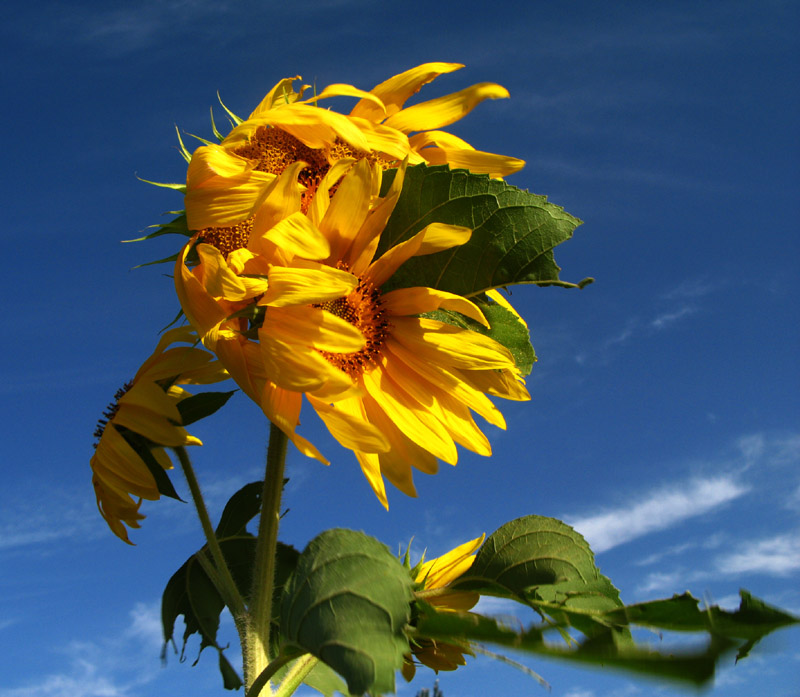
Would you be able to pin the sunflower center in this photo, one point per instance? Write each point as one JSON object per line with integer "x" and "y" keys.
{"x": 364, "y": 310}
{"x": 110, "y": 411}
{"x": 228, "y": 239}
{"x": 273, "y": 150}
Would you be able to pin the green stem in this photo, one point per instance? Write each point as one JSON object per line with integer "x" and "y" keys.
{"x": 225, "y": 583}
{"x": 296, "y": 675}
{"x": 257, "y": 649}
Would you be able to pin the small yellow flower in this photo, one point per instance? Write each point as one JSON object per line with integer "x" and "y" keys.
{"x": 226, "y": 181}
{"x": 438, "y": 574}
{"x": 145, "y": 411}
{"x": 395, "y": 387}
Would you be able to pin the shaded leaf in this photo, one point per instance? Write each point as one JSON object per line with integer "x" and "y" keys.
{"x": 201, "y": 405}
{"x": 348, "y": 603}
{"x": 514, "y": 232}
{"x": 241, "y": 508}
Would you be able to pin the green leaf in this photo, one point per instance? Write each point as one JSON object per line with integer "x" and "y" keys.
{"x": 514, "y": 232}
{"x": 527, "y": 555}
{"x": 241, "y": 508}
{"x": 201, "y": 405}
{"x": 348, "y": 603}
{"x": 695, "y": 666}
{"x": 504, "y": 327}
{"x": 325, "y": 680}
{"x": 547, "y": 565}
{"x": 681, "y": 613}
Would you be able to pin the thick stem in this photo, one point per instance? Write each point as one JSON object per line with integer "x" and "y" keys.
{"x": 257, "y": 650}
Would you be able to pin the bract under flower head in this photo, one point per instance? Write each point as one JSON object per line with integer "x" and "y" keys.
{"x": 226, "y": 182}
{"x": 300, "y": 311}
{"x": 142, "y": 421}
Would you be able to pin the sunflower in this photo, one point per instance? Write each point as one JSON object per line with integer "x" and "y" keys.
{"x": 226, "y": 181}
{"x": 402, "y": 399}
{"x": 438, "y": 574}
{"x": 142, "y": 420}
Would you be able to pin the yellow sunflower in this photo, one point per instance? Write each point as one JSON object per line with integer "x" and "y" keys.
{"x": 226, "y": 181}
{"x": 141, "y": 422}
{"x": 438, "y": 574}
{"x": 276, "y": 314}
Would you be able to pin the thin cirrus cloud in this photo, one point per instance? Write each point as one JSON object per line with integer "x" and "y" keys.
{"x": 657, "y": 510}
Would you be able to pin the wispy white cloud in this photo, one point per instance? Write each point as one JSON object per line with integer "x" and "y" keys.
{"x": 656, "y": 510}
{"x": 666, "y": 319}
{"x": 775, "y": 556}
{"x": 106, "y": 668}
{"x": 691, "y": 289}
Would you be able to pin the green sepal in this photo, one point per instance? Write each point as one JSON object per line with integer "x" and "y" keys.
{"x": 514, "y": 232}
{"x": 348, "y": 603}
{"x": 143, "y": 446}
{"x": 165, "y": 185}
{"x": 173, "y": 227}
{"x": 201, "y": 405}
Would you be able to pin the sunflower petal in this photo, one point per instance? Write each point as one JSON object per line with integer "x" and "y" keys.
{"x": 443, "y": 111}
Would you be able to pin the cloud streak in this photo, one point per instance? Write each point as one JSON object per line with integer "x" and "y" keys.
{"x": 657, "y": 510}
{"x": 774, "y": 556}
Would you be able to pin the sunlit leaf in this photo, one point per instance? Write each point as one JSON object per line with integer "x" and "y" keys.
{"x": 514, "y": 232}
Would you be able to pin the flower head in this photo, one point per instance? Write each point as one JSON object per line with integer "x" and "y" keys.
{"x": 226, "y": 181}
{"x": 437, "y": 575}
{"x": 301, "y": 311}
{"x": 142, "y": 421}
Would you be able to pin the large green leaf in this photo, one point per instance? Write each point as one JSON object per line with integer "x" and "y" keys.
{"x": 514, "y": 232}
{"x": 547, "y": 565}
{"x": 348, "y": 603}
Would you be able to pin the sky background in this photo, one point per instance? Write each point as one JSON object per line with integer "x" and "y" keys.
{"x": 664, "y": 416}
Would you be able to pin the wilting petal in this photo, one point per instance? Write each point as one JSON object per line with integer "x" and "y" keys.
{"x": 419, "y": 300}
{"x": 444, "y": 110}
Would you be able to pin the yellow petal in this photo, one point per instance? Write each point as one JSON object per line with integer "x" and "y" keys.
{"x": 313, "y": 327}
{"x": 394, "y": 92}
{"x": 202, "y": 311}
{"x": 435, "y": 237}
{"x": 321, "y": 200}
{"x": 278, "y": 201}
{"x": 221, "y": 282}
{"x": 295, "y": 367}
{"x": 315, "y": 127}
{"x": 350, "y": 429}
{"x": 418, "y": 300}
{"x": 443, "y": 111}
{"x": 342, "y": 90}
{"x": 440, "y": 148}
{"x": 282, "y": 408}
{"x": 305, "y": 286}
{"x": 439, "y": 572}
{"x": 297, "y": 235}
{"x": 411, "y": 419}
{"x": 222, "y": 188}
{"x": 282, "y": 93}
{"x": 449, "y": 345}
{"x": 156, "y": 429}
{"x": 371, "y": 467}
{"x": 348, "y": 210}
{"x": 448, "y": 382}
{"x": 147, "y": 395}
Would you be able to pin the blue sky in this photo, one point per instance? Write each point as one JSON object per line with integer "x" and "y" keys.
{"x": 664, "y": 414}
